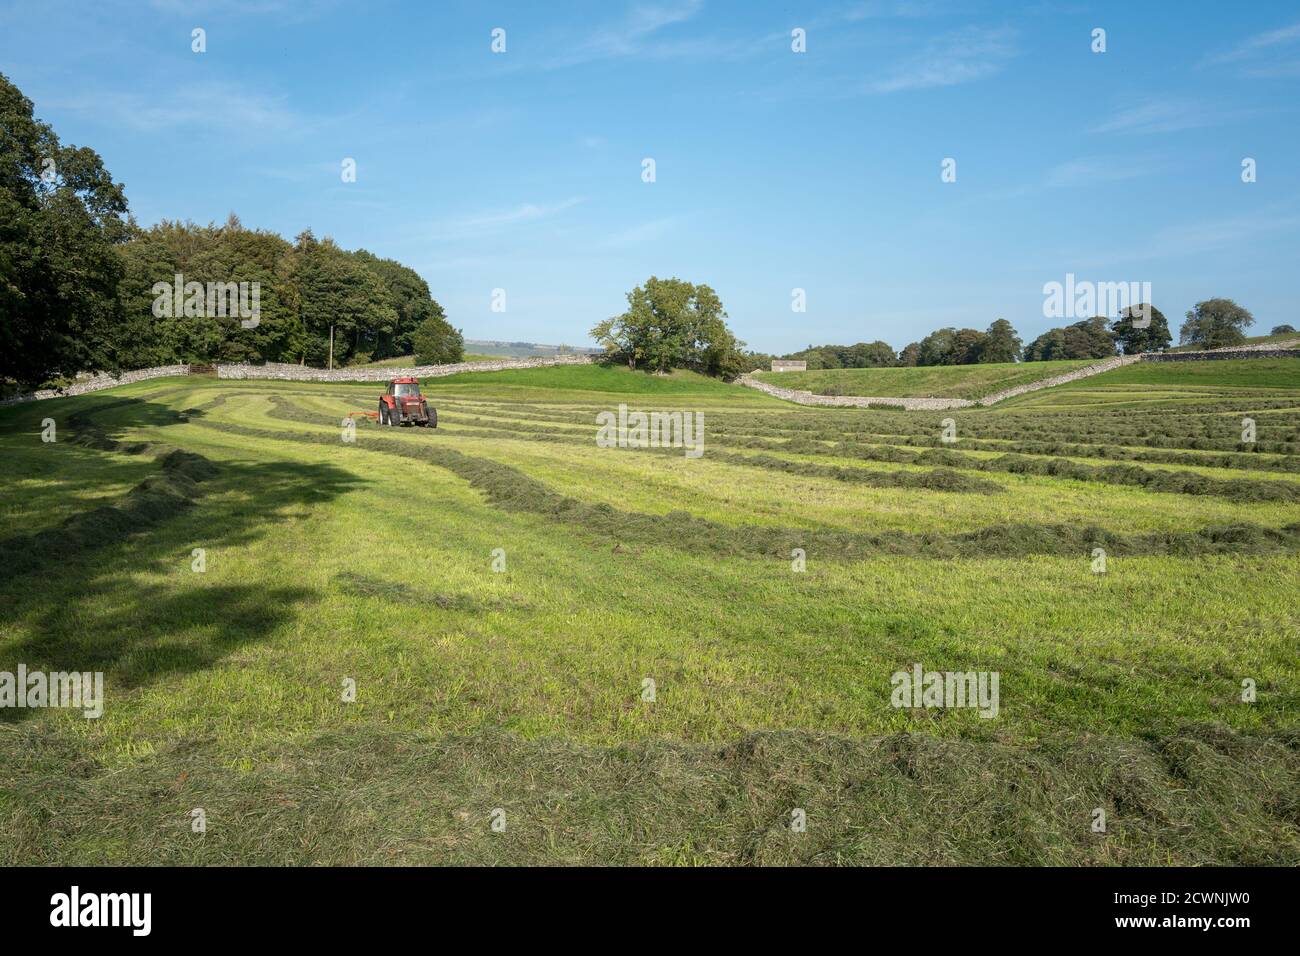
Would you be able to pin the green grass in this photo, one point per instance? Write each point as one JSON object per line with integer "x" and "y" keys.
{"x": 1234, "y": 373}
{"x": 560, "y": 382}
{"x": 410, "y": 361}
{"x": 1250, "y": 340}
{"x": 499, "y": 350}
{"x": 1174, "y": 382}
{"x": 944, "y": 381}
{"x": 522, "y": 690}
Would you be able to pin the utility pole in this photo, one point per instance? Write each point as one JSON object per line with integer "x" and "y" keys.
{"x": 331, "y": 348}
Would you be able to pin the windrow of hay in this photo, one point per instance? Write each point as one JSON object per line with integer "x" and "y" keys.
{"x": 370, "y": 795}
{"x": 1157, "y": 480}
{"x": 155, "y": 499}
{"x": 510, "y": 489}
{"x": 1245, "y": 458}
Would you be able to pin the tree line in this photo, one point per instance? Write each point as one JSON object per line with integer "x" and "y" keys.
{"x": 1214, "y": 323}
{"x": 84, "y": 288}
{"x": 375, "y": 308}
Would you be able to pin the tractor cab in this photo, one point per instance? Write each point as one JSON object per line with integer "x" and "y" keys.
{"x": 402, "y": 404}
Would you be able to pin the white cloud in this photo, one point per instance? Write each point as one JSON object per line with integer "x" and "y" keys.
{"x": 1252, "y": 46}
{"x": 958, "y": 57}
{"x": 493, "y": 221}
{"x": 217, "y": 107}
{"x": 1195, "y": 238}
{"x": 1167, "y": 116}
{"x": 1086, "y": 171}
{"x": 295, "y": 10}
{"x": 644, "y": 232}
{"x": 1216, "y": 234}
{"x": 634, "y": 35}
{"x": 882, "y": 9}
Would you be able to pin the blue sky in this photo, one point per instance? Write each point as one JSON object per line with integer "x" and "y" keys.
{"x": 775, "y": 170}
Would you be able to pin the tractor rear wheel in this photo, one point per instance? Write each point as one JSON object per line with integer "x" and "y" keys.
{"x": 383, "y": 414}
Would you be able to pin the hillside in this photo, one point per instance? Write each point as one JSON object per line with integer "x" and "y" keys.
{"x": 940, "y": 381}
{"x": 498, "y": 349}
{"x": 1172, "y": 383}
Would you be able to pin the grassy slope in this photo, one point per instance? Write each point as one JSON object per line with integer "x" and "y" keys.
{"x": 1172, "y": 382}
{"x": 948, "y": 381}
{"x": 564, "y": 381}
{"x": 522, "y": 690}
{"x": 1250, "y": 340}
{"x": 408, "y": 361}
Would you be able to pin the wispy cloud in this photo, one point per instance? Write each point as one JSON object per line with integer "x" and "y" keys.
{"x": 524, "y": 212}
{"x": 647, "y": 231}
{"x": 286, "y": 9}
{"x": 1073, "y": 174}
{"x": 1091, "y": 170}
{"x": 1168, "y": 115}
{"x": 1208, "y": 236}
{"x": 888, "y": 9}
{"x": 493, "y": 221}
{"x": 217, "y": 107}
{"x": 639, "y": 33}
{"x": 1260, "y": 43}
{"x": 954, "y": 58}
{"x": 1196, "y": 238}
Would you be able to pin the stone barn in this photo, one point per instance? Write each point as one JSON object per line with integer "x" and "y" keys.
{"x": 788, "y": 365}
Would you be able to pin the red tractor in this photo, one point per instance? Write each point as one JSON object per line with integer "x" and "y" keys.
{"x": 402, "y": 404}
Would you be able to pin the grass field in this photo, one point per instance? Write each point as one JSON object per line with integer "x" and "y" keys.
{"x": 502, "y": 591}
{"x": 1159, "y": 384}
{"x": 940, "y": 381}
{"x": 1282, "y": 339}
{"x": 410, "y": 361}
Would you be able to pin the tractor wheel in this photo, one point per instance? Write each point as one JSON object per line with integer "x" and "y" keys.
{"x": 433, "y": 418}
{"x": 394, "y": 416}
{"x": 383, "y": 414}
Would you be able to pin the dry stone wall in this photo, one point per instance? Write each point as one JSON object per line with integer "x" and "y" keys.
{"x": 1287, "y": 349}
{"x": 299, "y": 373}
{"x": 1246, "y": 351}
{"x": 854, "y": 401}
{"x": 98, "y": 382}
{"x": 382, "y": 373}
{"x": 1118, "y": 362}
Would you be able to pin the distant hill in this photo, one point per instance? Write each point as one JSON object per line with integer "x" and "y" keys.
{"x": 522, "y": 349}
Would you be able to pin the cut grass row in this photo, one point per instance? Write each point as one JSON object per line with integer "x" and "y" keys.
{"x": 522, "y": 689}
{"x": 974, "y": 382}
{"x": 574, "y": 562}
{"x": 944, "y": 381}
{"x": 373, "y": 795}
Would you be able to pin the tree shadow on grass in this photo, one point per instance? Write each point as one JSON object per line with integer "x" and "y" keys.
{"x": 137, "y": 635}
{"x": 78, "y": 601}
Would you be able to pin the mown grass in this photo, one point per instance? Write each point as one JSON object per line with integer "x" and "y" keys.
{"x": 1169, "y": 384}
{"x": 558, "y": 383}
{"x": 1285, "y": 338}
{"x": 1258, "y": 373}
{"x": 522, "y": 689}
{"x": 943, "y": 381}
{"x": 410, "y": 361}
